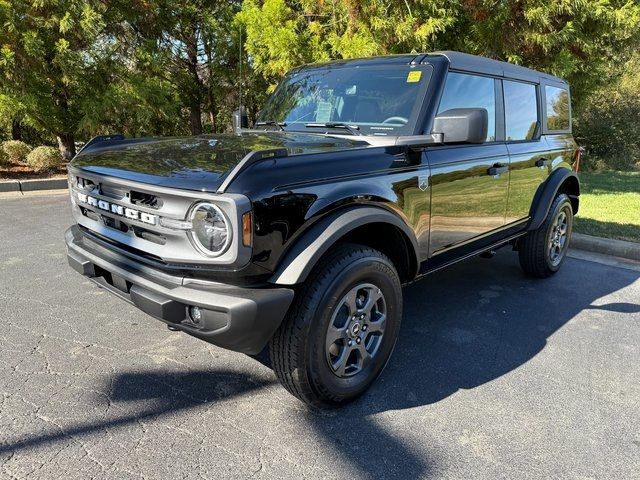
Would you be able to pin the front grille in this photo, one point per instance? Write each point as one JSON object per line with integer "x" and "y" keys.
{"x": 149, "y": 219}
{"x": 145, "y": 199}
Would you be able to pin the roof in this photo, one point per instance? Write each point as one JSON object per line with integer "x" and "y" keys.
{"x": 475, "y": 63}
{"x": 457, "y": 61}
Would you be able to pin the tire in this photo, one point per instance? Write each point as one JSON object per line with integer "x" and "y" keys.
{"x": 328, "y": 371}
{"x": 542, "y": 251}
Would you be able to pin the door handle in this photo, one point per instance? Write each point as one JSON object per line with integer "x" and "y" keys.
{"x": 497, "y": 170}
{"x": 543, "y": 162}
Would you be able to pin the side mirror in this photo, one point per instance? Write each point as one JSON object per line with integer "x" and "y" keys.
{"x": 240, "y": 120}
{"x": 462, "y": 125}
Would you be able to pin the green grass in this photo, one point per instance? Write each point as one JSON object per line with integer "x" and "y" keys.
{"x": 610, "y": 205}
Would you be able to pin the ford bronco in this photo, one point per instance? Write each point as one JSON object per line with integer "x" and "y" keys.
{"x": 358, "y": 177}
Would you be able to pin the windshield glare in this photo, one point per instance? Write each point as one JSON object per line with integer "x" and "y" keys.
{"x": 379, "y": 100}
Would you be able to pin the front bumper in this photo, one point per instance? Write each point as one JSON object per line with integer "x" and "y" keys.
{"x": 236, "y": 318}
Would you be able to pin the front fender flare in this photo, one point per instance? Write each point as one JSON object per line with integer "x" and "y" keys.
{"x": 298, "y": 262}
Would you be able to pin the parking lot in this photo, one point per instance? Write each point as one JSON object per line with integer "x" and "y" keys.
{"x": 494, "y": 375}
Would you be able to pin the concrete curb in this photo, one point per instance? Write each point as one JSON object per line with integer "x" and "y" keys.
{"x": 32, "y": 185}
{"x": 606, "y": 246}
{"x": 9, "y": 186}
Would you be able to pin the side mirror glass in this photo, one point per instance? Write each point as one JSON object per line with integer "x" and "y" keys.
{"x": 462, "y": 125}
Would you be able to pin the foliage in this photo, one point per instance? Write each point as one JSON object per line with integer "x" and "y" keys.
{"x": 577, "y": 40}
{"x": 76, "y": 68}
{"x": 54, "y": 55}
{"x": 608, "y": 125}
{"x": 16, "y": 151}
{"x": 42, "y": 159}
{"x": 4, "y": 159}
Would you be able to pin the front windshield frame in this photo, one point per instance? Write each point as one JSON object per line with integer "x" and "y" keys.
{"x": 338, "y": 76}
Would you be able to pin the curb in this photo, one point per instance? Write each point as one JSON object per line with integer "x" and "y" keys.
{"x": 33, "y": 185}
{"x": 606, "y": 246}
{"x": 9, "y": 186}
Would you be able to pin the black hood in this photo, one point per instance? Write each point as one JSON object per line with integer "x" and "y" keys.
{"x": 195, "y": 163}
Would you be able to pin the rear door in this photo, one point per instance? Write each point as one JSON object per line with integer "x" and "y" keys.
{"x": 529, "y": 162}
{"x": 469, "y": 183}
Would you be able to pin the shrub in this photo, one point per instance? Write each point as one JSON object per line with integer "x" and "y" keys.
{"x": 608, "y": 125}
{"x": 4, "y": 159}
{"x": 16, "y": 151}
{"x": 42, "y": 159}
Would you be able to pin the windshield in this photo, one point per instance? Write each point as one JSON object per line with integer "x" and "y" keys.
{"x": 376, "y": 100}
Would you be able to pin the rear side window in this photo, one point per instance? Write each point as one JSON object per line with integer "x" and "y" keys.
{"x": 557, "y": 108}
{"x": 521, "y": 110}
{"x": 470, "y": 91}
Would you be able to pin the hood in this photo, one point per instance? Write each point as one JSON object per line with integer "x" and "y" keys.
{"x": 196, "y": 163}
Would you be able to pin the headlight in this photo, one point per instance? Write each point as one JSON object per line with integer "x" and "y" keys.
{"x": 210, "y": 229}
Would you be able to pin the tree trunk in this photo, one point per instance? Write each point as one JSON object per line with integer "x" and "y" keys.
{"x": 16, "y": 130}
{"x": 195, "y": 119}
{"x": 67, "y": 146}
{"x": 195, "y": 103}
{"x": 212, "y": 118}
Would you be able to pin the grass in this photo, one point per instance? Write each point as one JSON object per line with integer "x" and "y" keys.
{"x": 610, "y": 205}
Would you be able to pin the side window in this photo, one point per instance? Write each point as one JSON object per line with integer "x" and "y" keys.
{"x": 521, "y": 110}
{"x": 557, "y": 108}
{"x": 470, "y": 91}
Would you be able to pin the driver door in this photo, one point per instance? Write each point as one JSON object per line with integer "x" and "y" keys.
{"x": 469, "y": 183}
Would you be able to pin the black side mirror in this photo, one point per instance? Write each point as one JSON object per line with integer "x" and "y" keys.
{"x": 240, "y": 120}
{"x": 462, "y": 125}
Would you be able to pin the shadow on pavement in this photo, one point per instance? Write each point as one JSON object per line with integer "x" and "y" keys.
{"x": 163, "y": 392}
{"x": 620, "y": 307}
{"x": 463, "y": 327}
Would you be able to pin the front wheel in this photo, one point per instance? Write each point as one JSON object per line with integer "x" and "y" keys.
{"x": 341, "y": 329}
{"x": 542, "y": 251}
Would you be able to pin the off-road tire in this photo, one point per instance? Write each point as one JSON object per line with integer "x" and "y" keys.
{"x": 298, "y": 350}
{"x": 534, "y": 248}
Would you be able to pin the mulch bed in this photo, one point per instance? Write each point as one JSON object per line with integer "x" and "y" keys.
{"x": 23, "y": 172}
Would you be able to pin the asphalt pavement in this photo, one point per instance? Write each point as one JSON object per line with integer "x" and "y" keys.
{"x": 495, "y": 375}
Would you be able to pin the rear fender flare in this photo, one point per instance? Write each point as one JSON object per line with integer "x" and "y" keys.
{"x": 546, "y": 194}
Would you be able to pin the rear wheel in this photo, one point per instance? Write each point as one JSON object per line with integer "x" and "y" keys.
{"x": 542, "y": 251}
{"x": 340, "y": 332}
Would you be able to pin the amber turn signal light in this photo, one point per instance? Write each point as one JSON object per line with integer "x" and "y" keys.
{"x": 247, "y": 228}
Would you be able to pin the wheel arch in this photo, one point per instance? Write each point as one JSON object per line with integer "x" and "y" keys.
{"x": 375, "y": 227}
{"x": 561, "y": 181}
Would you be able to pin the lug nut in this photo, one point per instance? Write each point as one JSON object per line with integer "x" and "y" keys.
{"x": 358, "y": 340}
{"x": 364, "y": 328}
{"x": 350, "y": 343}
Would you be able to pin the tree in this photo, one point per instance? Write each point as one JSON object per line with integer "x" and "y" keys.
{"x": 192, "y": 46}
{"x": 53, "y": 55}
{"x": 607, "y": 122}
{"x": 577, "y": 40}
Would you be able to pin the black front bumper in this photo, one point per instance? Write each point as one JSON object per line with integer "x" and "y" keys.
{"x": 236, "y": 318}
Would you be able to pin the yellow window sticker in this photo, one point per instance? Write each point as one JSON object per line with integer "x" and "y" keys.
{"x": 414, "y": 76}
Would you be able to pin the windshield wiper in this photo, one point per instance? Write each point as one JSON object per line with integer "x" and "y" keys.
{"x": 272, "y": 123}
{"x": 353, "y": 129}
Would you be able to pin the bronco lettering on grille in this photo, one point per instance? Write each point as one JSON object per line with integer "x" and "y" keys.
{"x": 117, "y": 209}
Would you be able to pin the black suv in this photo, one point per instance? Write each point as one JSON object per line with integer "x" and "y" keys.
{"x": 358, "y": 177}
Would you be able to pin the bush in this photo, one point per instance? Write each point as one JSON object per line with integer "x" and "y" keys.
{"x": 16, "y": 151}
{"x": 4, "y": 159}
{"x": 42, "y": 159}
{"x": 608, "y": 126}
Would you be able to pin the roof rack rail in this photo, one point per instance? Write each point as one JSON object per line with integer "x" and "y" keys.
{"x": 101, "y": 139}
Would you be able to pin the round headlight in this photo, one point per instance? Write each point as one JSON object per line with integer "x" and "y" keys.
{"x": 210, "y": 229}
